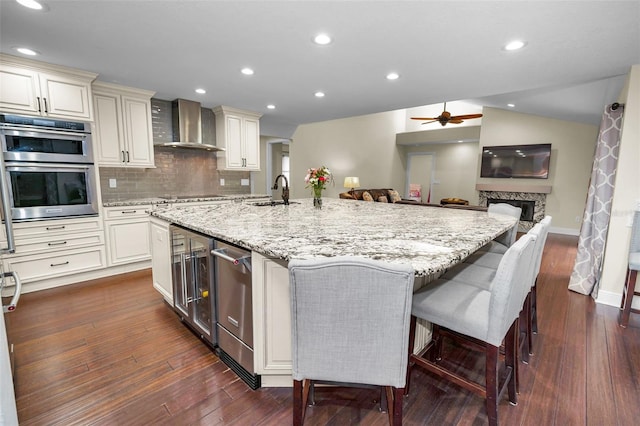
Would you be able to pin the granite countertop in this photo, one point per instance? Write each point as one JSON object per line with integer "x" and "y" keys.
{"x": 431, "y": 239}
{"x": 174, "y": 200}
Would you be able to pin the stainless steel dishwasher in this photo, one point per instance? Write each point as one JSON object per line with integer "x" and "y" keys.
{"x": 235, "y": 316}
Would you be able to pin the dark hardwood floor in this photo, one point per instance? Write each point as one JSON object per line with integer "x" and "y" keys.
{"x": 111, "y": 352}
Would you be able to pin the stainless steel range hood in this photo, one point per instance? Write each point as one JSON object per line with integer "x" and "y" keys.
{"x": 187, "y": 126}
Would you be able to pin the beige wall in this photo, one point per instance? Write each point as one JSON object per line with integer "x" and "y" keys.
{"x": 626, "y": 196}
{"x": 455, "y": 171}
{"x": 572, "y": 149}
{"x": 362, "y": 146}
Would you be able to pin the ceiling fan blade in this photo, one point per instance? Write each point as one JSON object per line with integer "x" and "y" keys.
{"x": 424, "y": 118}
{"x": 455, "y": 121}
{"x": 433, "y": 120}
{"x": 467, "y": 116}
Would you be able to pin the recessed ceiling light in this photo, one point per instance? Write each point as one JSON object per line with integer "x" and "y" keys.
{"x": 26, "y": 51}
{"x": 514, "y": 45}
{"x": 393, "y": 76}
{"x": 271, "y": 106}
{"x": 246, "y": 71}
{"x": 31, "y": 4}
{"x": 319, "y": 94}
{"x": 511, "y": 105}
{"x": 322, "y": 39}
{"x": 201, "y": 91}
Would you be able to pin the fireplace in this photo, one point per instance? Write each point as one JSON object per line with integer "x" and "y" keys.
{"x": 532, "y": 201}
{"x": 527, "y": 206}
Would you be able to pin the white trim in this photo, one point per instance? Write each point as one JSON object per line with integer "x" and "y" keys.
{"x": 564, "y": 231}
{"x": 614, "y": 299}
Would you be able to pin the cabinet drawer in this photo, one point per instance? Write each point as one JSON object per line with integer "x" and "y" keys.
{"x": 127, "y": 212}
{"x": 38, "y": 267}
{"x": 46, "y": 228}
{"x": 54, "y": 243}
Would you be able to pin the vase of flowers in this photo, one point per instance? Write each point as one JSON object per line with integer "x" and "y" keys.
{"x": 317, "y": 179}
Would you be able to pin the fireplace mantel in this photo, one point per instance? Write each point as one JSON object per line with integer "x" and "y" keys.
{"x": 506, "y": 187}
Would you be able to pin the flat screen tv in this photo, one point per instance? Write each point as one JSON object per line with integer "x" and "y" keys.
{"x": 516, "y": 161}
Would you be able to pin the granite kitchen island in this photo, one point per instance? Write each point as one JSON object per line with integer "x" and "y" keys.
{"x": 431, "y": 239}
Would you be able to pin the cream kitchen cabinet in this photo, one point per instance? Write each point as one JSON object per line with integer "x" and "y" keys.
{"x": 127, "y": 232}
{"x": 36, "y": 88}
{"x": 54, "y": 248}
{"x": 238, "y": 132}
{"x": 161, "y": 258}
{"x": 123, "y": 134}
{"x": 271, "y": 320}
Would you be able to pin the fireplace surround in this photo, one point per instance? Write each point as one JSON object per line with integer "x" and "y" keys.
{"x": 533, "y": 204}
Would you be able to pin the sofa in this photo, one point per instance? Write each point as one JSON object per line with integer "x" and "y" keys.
{"x": 387, "y": 195}
{"x": 382, "y": 195}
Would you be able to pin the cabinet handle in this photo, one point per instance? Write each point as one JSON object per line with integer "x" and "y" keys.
{"x": 124, "y": 160}
{"x": 46, "y": 109}
{"x": 128, "y": 211}
{"x": 54, "y": 228}
{"x": 59, "y": 264}
{"x": 59, "y": 243}
{"x": 128, "y": 161}
{"x": 39, "y": 108}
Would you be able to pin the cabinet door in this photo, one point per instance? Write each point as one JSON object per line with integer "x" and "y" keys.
{"x": 108, "y": 132}
{"x": 138, "y": 131}
{"x": 234, "y": 153}
{"x": 65, "y": 97}
{"x": 128, "y": 241}
{"x": 19, "y": 90}
{"x": 161, "y": 259}
{"x": 251, "y": 144}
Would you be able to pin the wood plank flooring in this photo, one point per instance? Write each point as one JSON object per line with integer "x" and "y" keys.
{"x": 111, "y": 352}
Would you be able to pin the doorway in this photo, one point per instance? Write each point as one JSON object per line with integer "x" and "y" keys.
{"x": 420, "y": 171}
{"x": 277, "y": 161}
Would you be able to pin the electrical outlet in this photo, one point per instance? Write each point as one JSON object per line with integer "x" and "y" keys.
{"x": 112, "y": 183}
{"x": 578, "y": 219}
{"x": 221, "y": 182}
{"x": 244, "y": 182}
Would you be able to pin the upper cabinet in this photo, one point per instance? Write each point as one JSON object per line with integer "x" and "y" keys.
{"x": 123, "y": 134}
{"x": 37, "y": 88}
{"x": 238, "y": 132}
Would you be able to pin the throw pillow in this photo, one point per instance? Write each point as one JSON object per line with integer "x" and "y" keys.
{"x": 394, "y": 197}
{"x": 382, "y": 199}
{"x": 366, "y": 196}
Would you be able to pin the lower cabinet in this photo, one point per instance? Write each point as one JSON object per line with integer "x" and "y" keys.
{"x": 271, "y": 320}
{"x": 161, "y": 257}
{"x": 127, "y": 232}
{"x": 55, "y": 248}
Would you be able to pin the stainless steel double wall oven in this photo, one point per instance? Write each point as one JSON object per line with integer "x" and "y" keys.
{"x": 49, "y": 167}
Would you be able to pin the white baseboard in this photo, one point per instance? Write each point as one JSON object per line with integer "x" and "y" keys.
{"x": 564, "y": 231}
{"x": 613, "y": 299}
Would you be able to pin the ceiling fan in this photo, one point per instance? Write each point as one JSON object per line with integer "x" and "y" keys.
{"x": 446, "y": 117}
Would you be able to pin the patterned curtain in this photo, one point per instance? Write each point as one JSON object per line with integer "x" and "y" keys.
{"x": 595, "y": 224}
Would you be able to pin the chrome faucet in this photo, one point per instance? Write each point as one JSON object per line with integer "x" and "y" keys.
{"x": 285, "y": 189}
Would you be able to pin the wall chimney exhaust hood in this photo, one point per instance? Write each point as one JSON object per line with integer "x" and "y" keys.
{"x": 187, "y": 126}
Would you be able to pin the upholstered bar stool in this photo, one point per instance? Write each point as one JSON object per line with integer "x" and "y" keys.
{"x": 484, "y": 314}
{"x": 350, "y": 324}
{"x": 632, "y": 274}
{"x": 501, "y": 243}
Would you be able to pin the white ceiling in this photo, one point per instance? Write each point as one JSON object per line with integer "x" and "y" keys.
{"x": 575, "y": 62}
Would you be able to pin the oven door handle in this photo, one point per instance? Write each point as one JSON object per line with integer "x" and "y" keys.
{"x": 6, "y": 208}
{"x": 16, "y": 295}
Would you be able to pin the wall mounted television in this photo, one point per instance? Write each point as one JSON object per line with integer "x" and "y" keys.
{"x": 516, "y": 161}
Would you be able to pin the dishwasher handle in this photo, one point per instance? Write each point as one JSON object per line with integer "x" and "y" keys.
{"x": 245, "y": 260}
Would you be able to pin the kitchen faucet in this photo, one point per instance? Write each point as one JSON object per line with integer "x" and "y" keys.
{"x": 285, "y": 189}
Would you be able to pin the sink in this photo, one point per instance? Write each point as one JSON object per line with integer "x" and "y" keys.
{"x": 187, "y": 197}
{"x": 273, "y": 203}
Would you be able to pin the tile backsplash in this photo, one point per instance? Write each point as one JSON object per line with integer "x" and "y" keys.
{"x": 178, "y": 172}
